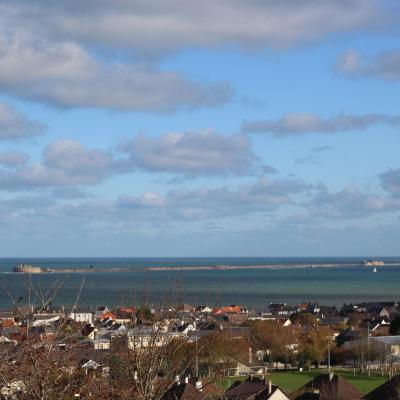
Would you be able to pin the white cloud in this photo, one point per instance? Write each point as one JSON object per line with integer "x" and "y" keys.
{"x": 65, "y": 163}
{"x": 390, "y": 181}
{"x": 263, "y": 195}
{"x": 350, "y": 203}
{"x": 68, "y": 163}
{"x": 349, "y": 62}
{"x": 73, "y": 158}
{"x": 13, "y": 158}
{"x": 14, "y": 125}
{"x": 66, "y": 75}
{"x": 165, "y": 26}
{"x": 304, "y": 123}
{"x": 190, "y": 154}
{"x": 149, "y": 209}
{"x": 385, "y": 65}
{"x": 101, "y": 54}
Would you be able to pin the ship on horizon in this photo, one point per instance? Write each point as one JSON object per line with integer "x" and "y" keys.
{"x": 373, "y": 263}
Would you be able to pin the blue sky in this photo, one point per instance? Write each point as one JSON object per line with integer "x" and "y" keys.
{"x": 176, "y": 128}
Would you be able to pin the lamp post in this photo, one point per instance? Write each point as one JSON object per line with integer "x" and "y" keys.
{"x": 197, "y": 356}
{"x": 329, "y": 356}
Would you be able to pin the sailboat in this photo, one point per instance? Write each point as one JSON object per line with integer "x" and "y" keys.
{"x": 375, "y": 270}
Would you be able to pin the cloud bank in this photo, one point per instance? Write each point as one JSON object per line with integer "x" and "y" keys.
{"x": 101, "y": 54}
{"x": 168, "y": 26}
{"x": 385, "y": 65}
{"x": 67, "y": 162}
{"x": 192, "y": 154}
{"x": 294, "y": 124}
{"x": 14, "y": 125}
{"x": 64, "y": 74}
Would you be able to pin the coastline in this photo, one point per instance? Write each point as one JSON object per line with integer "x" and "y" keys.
{"x": 249, "y": 267}
{"x": 188, "y": 268}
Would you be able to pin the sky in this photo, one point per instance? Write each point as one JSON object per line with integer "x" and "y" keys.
{"x": 215, "y": 128}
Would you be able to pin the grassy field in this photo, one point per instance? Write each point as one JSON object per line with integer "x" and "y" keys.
{"x": 292, "y": 380}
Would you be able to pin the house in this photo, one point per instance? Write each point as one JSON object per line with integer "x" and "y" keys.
{"x": 191, "y": 390}
{"x": 234, "y": 318}
{"x": 125, "y": 315}
{"x": 147, "y": 336}
{"x": 374, "y": 309}
{"x": 247, "y": 368}
{"x": 332, "y": 320}
{"x": 110, "y": 331}
{"x": 6, "y": 322}
{"x": 207, "y": 325}
{"x": 302, "y": 307}
{"x": 390, "y": 344}
{"x": 186, "y": 308}
{"x": 90, "y": 365}
{"x": 203, "y": 329}
{"x": 390, "y": 390}
{"x": 101, "y": 344}
{"x": 254, "y": 316}
{"x": 204, "y": 309}
{"x": 348, "y": 335}
{"x": 328, "y": 387}
{"x": 284, "y": 321}
{"x": 254, "y": 389}
{"x": 82, "y": 315}
{"x": 46, "y": 321}
{"x": 184, "y": 328}
{"x": 232, "y": 309}
{"x": 93, "y": 367}
{"x": 247, "y": 365}
{"x": 107, "y": 316}
{"x": 281, "y": 309}
{"x": 380, "y": 327}
{"x": 118, "y": 329}
{"x": 100, "y": 311}
{"x": 90, "y": 331}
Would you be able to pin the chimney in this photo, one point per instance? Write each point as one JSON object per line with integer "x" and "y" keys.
{"x": 269, "y": 387}
{"x": 250, "y": 356}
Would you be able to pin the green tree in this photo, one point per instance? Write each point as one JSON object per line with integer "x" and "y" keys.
{"x": 278, "y": 342}
{"x": 313, "y": 346}
{"x": 304, "y": 319}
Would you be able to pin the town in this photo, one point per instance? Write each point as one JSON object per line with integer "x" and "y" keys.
{"x": 184, "y": 352}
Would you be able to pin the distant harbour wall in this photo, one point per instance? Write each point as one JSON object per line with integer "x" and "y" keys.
{"x": 28, "y": 269}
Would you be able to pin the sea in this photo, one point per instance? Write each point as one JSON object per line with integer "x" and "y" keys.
{"x": 327, "y": 280}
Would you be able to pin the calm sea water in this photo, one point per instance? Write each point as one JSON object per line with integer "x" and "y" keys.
{"x": 291, "y": 280}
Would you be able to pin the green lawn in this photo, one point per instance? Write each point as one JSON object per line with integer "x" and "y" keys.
{"x": 290, "y": 381}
